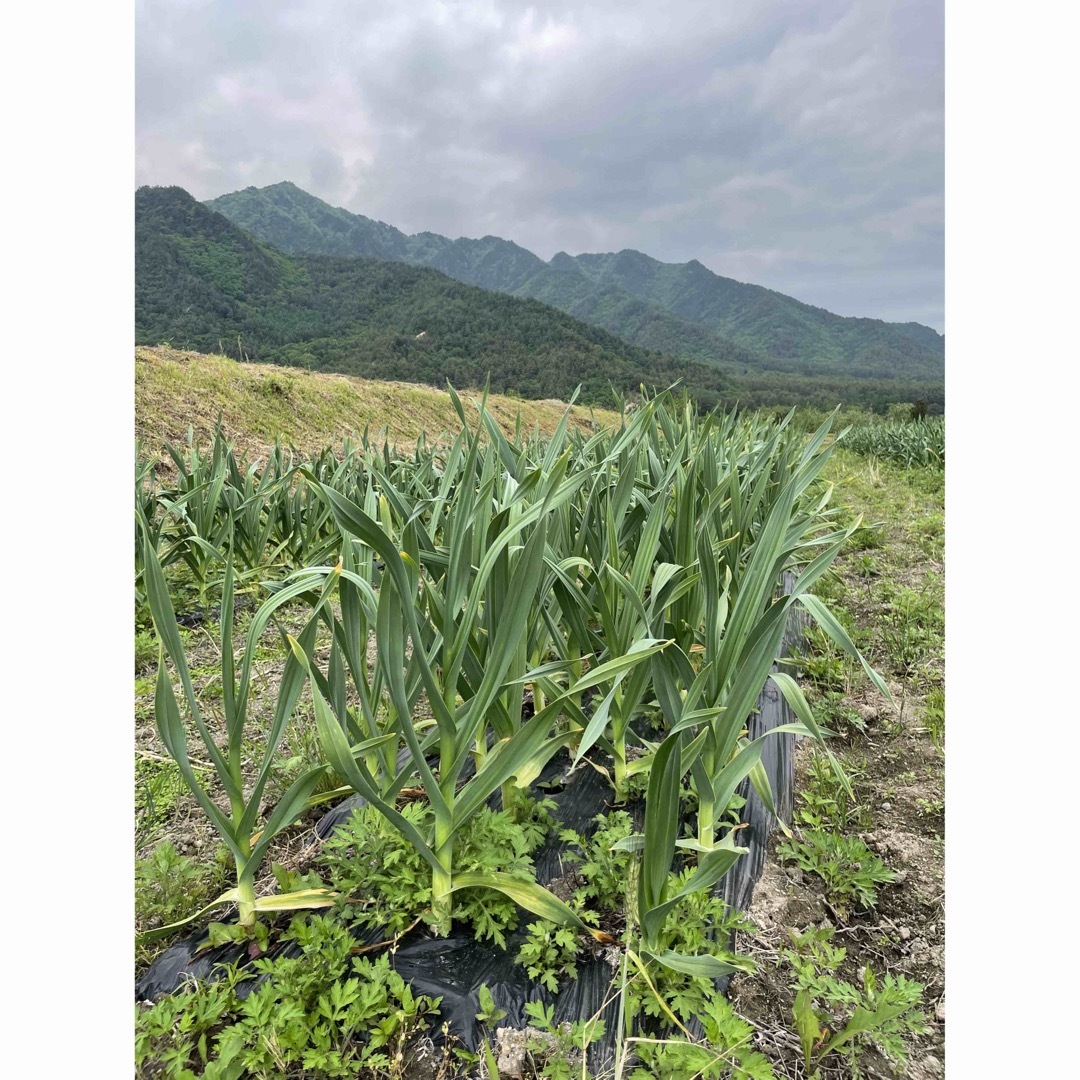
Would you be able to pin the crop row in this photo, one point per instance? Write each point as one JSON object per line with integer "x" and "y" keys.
{"x": 613, "y": 595}
{"x": 917, "y": 443}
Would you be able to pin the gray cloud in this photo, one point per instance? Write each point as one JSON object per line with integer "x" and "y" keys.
{"x": 795, "y": 145}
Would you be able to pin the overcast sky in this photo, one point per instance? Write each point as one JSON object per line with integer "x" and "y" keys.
{"x": 797, "y": 145}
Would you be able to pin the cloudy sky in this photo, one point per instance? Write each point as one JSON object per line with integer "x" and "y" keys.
{"x": 797, "y": 145}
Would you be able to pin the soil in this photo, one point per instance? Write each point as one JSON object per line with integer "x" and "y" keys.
{"x": 905, "y": 935}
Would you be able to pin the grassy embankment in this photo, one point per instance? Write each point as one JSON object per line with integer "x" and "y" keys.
{"x": 310, "y": 410}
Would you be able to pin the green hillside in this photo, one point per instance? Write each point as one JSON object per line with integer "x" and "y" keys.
{"x": 679, "y": 308}
{"x": 204, "y": 284}
{"x": 795, "y": 336}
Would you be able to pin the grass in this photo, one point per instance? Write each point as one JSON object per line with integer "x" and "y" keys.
{"x": 899, "y": 588}
{"x": 158, "y": 789}
{"x": 934, "y": 716}
{"x": 824, "y": 802}
{"x": 166, "y": 881}
{"x": 310, "y": 410}
{"x": 913, "y": 626}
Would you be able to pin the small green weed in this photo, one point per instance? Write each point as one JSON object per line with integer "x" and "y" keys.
{"x": 299, "y": 752}
{"x": 934, "y": 716}
{"x": 831, "y": 588}
{"x": 822, "y": 662}
{"x": 144, "y": 704}
{"x": 867, "y": 538}
{"x": 927, "y": 481}
{"x": 824, "y": 801}
{"x": 382, "y": 878}
{"x": 866, "y": 566}
{"x": 928, "y": 531}
{"x": 146, "y": 650}
{"x": 387, "y": 884}
{"x": 837, "y": 1017}
{"x": 325, "y": 1013}
{"x": 724, "y": 1052}
{"x": 850, "y": 870}
{"x": 158, "y": 788}
{"x": 489, "y": 1013}
{"x": 832, "y": 711}
{"x": 550, "y": 953}
{"x": 606, "y": 873}
{"x": 208, "y": 681}
{"x": 170, "y": 886}
{"x": 701, "y": 923}
{"x": 559, "y": 1053}
{"x": 912, "y": 625}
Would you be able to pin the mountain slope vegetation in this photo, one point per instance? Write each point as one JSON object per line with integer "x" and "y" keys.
{"x": 679, "y": 308}
{"x": 203, "y": 283}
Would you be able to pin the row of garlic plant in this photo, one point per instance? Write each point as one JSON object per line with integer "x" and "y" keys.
{"x": 915, "y": 444}
{"x": 608, "y": 576}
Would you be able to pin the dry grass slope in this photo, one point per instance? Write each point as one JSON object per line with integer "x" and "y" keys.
{"x": 310, "y": 410}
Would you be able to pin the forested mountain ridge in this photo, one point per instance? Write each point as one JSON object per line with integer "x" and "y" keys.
{"x": 203, "y": 283}
{"x": 679, "y": 308}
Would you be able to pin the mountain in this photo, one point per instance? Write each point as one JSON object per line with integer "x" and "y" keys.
{"x": 203, "y": 283}
{"x": 679, "y": 308}
{"x": 795, "y": 336}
